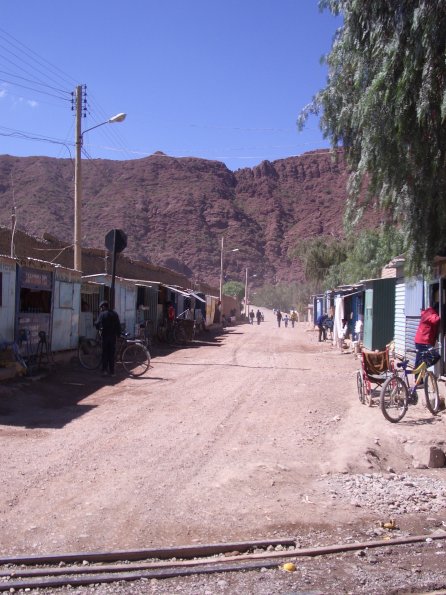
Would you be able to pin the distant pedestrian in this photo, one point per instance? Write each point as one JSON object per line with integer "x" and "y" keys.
{"x": 258, "y": 316}
{"x": 251, "y": 317}
{"x": 279, "y": 317}
{"x": 110, "y": 326}
{"x": 293, "y": 318}
{"x": 285, "y": 320}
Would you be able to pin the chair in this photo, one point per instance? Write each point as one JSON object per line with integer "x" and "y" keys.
{"x": 376, "y": 367}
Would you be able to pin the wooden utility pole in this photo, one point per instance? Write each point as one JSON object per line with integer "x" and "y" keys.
{"x": 78, "y": 182}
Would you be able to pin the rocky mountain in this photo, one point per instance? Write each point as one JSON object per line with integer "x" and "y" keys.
{"x": 175, "y": 210}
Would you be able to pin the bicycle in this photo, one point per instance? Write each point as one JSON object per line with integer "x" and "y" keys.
{"x": 397, "y": 393}
{"x": 145, "y": 335}
{"x": 171, "y": 333}
{"x": 131, "y": 353}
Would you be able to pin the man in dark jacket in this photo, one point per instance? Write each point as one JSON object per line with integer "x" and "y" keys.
{"x": 108, "y": 322}
{"x": 321, "y": 320}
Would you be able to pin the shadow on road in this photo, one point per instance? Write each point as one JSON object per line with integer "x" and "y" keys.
{"x": 54, "y": 398}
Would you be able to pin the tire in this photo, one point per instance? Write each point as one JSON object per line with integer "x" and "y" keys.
{"x": 135, "y": 359}
{"x": 431, "y": 393}
{"x": 393, "y": 399}
{"x": 89, "y": 353}
{"x": 360, "y": 385}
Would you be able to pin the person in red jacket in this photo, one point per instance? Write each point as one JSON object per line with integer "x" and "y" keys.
{"x": 427, "y": 331}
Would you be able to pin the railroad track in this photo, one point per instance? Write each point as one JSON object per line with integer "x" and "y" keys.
{"x": 79, "y": 569}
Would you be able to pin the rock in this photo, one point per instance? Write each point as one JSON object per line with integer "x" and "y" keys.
{"x": 437, "y": 458}
{"x": 418, "y": 465}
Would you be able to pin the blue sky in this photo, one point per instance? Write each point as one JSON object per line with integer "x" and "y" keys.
{"x": 221, "y": 80}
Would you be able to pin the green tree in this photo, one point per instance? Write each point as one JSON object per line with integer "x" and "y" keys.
{"x": 368, "y": 253}
{"x": 385, "y": 104}
{"x": 283, "y": 296}
{"x": 318, "y": 255}
{"x": 234, "y": 288}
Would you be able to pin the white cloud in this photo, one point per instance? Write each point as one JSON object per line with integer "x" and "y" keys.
{"x": 32, "y": 103}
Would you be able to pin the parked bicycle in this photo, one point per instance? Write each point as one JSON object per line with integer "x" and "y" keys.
{"x": 397, "y": 393}
{"x": 172, "y": 333}
{"x": 145, "y": 335}
{"x": 131, "y": 353}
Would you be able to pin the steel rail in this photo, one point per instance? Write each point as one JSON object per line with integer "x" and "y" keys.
{"x": 187, "y": 551}
{"x": 177, "y": 568}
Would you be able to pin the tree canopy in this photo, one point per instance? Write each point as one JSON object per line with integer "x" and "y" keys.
{"x": 234, "y": 288}
{"x": 385, "y": 104}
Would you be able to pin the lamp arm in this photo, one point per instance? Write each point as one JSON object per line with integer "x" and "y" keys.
{"x": 93, "y": 127}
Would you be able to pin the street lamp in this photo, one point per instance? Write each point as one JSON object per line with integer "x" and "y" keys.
{"x": 246, "y": 292}
{"x": 221, "y": 265}
{"x": 78, "y": 174}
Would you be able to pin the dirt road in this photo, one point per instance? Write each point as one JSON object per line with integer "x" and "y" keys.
{"x": 253, "y": 433}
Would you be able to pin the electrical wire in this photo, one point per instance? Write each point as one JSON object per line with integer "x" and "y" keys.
{"x": 109, "y": 132}
{"x": 34, "y": 82}
{"x": 31, "y": 54}
{"x": 35, "y": 90}
{"x": 32, "y": 136}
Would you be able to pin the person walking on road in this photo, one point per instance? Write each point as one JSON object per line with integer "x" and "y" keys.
{"x": 279, "y": 317}
{"x": 251, "y": 317}
{"x": 258, "y": 316}
{"x": 110, "y": 326}
{"x": 293, "y": 318}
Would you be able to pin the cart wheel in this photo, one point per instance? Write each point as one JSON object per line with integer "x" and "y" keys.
{"x": 360, "y": 385}
{"x": 368, "y": 399}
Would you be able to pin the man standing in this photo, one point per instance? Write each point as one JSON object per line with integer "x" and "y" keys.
{"x": 427, "y": 332}
{"x": 279, "y": 317}
{"x": 109, "y": 324}
{"x": 321, "y": 326}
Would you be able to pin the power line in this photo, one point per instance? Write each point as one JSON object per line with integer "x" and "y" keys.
{"x": 29, "y": 53}
{"x": 32, "y": 136}
{"x": 34, "y": 82}
{"x": 35, "y": 90}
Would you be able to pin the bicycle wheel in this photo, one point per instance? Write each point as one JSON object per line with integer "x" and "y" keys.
{"x": 393, "y": 399}
{"x": 431, "y": 393}
{"x": 360, "y": 385}
{"x": 135, "y": 359}
{"x": 89, "y": 353}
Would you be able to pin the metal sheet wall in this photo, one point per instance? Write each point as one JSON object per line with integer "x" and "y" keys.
{"x": 66, "y": 306}
{"x": 411, "y": 329}
{"x": 379, "y": 313}
{"x": 415, "y": 300}
{"x": 400, "y": 318}
{"x": 414, "y": 296}
{"x": 8, "y": 302}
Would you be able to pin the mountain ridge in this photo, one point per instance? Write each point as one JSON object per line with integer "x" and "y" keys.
{"x": 175, "y": 210}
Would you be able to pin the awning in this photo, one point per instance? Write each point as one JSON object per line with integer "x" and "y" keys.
{"x": 174, "y": 289}
{"x": 197, "y": 297}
